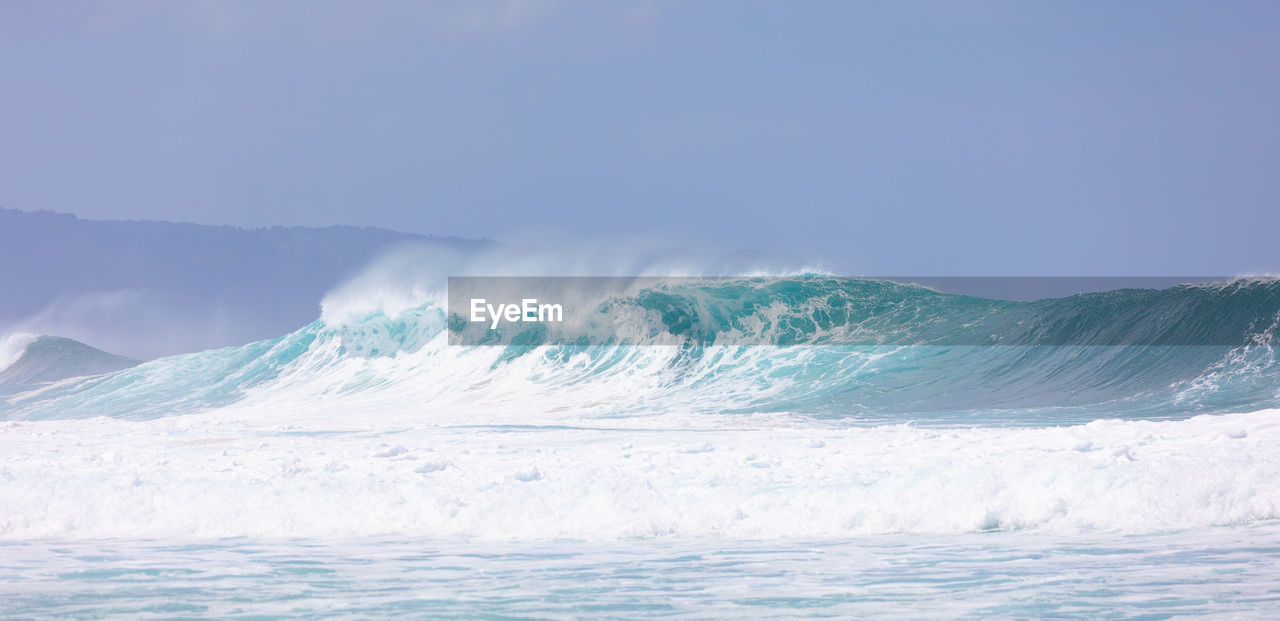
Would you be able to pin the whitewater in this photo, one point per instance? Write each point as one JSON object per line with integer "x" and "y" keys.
{"x": 880, "y": 444}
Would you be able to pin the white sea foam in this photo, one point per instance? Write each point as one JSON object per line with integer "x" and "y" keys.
{"x": 13, "y": 346}
{"x": 379, "y": 427}
{"x": 304, "y": 471}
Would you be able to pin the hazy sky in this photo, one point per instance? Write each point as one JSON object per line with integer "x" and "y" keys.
{"x": 880, "y": 137}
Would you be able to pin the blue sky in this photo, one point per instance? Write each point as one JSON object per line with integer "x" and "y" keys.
{"x": 909, "y": 138}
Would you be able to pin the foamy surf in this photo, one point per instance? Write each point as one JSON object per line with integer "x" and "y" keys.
{"x": 1010, "y": 478}
{"x": 242, "y": 473}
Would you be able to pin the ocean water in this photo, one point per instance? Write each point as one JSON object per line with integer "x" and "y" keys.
{"x": 1220, "y": 572}
{"x": 799, "y": 446}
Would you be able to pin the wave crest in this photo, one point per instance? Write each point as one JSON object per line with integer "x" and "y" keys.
{"x": 1126, "y": 354}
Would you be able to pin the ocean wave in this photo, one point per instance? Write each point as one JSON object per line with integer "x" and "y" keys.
{"x": 874, "y": 352}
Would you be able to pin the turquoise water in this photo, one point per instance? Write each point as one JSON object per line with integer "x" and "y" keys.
{"x": 868, "y": 352}
{"x": 1221, "y": 572}
{"x": 874, "y": 450}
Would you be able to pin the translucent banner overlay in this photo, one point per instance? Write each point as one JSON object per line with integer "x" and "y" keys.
{"x": 871, "y": 311}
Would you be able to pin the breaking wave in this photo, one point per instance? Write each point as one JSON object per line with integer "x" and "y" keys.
{"x": 871, "y": 407}
{"x": 873, "y": 352}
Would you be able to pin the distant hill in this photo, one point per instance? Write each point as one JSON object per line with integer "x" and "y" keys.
{"x": 52, "y": 358}
{"x": 153, "y": 288}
